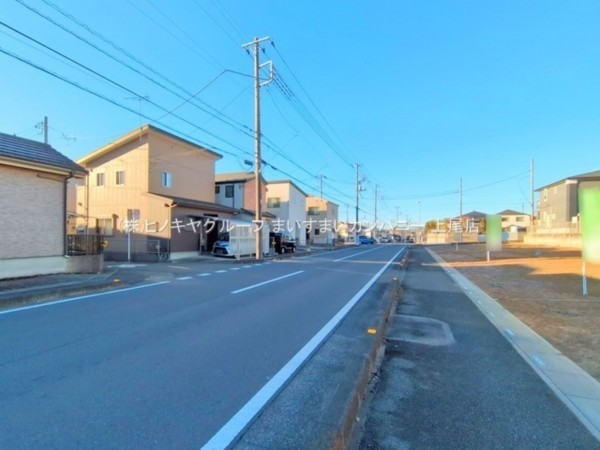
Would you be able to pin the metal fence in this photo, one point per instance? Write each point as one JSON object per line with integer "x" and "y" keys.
{"x": 137, "y": 249}
{"x": 84, "y": 244}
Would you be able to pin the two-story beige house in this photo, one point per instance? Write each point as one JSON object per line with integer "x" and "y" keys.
{"x": 321, "y": 221}
{"x": 33, "y": 184}
{"x": 151, "y": 194}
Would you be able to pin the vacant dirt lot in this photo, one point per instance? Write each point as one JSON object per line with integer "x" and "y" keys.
{"x": 542, "y": 286}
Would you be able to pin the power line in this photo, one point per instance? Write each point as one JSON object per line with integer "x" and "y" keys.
{"x": 114, "y": 102}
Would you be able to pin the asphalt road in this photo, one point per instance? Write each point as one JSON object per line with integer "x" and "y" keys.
{"x": 473, "y": 393}
{"x": 177, "y": 364}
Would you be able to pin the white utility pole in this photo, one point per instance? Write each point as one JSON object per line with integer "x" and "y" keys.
{"x": 376, "y": 188}
{"x": 532, "y": 203}
{"x": 255, "y": 44}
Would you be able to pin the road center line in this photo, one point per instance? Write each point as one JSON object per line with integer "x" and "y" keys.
{"x": 266, "y": 282}
{"x": 83, "y": 297}
{"x": 238, "y": 423}
{"x": 356, "y": 254}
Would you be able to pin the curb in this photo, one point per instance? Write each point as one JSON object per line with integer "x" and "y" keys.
{"x": 48, "y": 293}
{"x": 350, "y": 417}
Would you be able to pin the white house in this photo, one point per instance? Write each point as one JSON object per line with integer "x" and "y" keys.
{"x": 514, "y": 220}
{"x": 288, "y": 202}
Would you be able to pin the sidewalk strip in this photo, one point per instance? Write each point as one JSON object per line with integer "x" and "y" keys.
{"x": 83, "y": 297}
{"x": 266, "y": 282}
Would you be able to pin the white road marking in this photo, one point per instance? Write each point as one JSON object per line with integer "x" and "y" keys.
{"x": 220, "y": 271}
{"x": 356, "y": 254}
{"x": 235, "y": 268}
{"x": 83, "y": 297}
{"x": 127, "y": 266}
{"x": 183, "y": 278}
{"x": 539, "y": 361}
{"x": 266, "y": 282}
{"x": 227, "y": 434}
{"x": 205, "y": 274}
{"x": 246, "y": 267}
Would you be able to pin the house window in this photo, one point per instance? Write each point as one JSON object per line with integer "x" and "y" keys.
{"x": 105, "y": 227}
{"x": 317, "y": 231}
{"x": 273, "y": 202}
{"x": 100, "y": 179}
{"x": 313, "y": 210}
{"x": 520, "y": 219}
{"x": 166, "y": 179}
{"x": 120, "y": 178}
{"x": 217, "y": 189}
{"x": 505, "y": 219}
{"x": 229, "y": 191}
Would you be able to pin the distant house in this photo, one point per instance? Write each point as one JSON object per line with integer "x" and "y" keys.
{"x": 514, "y": 220}
{"x": 151, "y": 194}
{"x": 470, "y": 222}
{"x": 558, "y": 207}
{"x": 33, "y": 183}
{"x": 321, "y": 219}
{"x": 287, "y": 202}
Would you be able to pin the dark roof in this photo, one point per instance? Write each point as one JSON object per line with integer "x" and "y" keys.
{"x": 232, "y": 177}
{"x": 511, "y": 212}
{"x": 25, "y": 150}
{"x": 582, "y": 177}
{"x": 474, "y": 215}
{"x": 196, "y": 204}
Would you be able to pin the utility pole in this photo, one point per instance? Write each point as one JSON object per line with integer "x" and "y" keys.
{"x": 419, "y": 227}
{"x": 532, "y": 203}
{"x": 376, "y": 188}
{"x": 255, "y": 44}
{"x": 358, "y": 189}
{"x": 320, "y": 177}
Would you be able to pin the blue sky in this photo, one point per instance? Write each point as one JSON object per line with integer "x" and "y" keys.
{"x": 420, "y": 94}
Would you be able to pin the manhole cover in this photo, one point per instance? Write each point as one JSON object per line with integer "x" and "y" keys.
{"x": 419, "y": 330}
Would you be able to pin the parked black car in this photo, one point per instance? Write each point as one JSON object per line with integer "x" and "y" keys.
{"x": 282, "y": 243}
